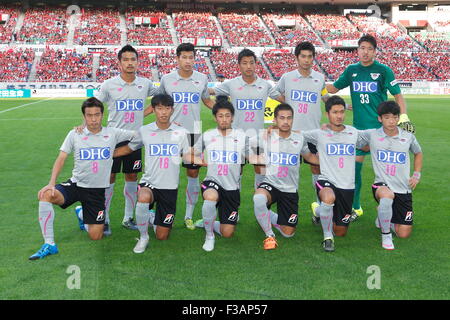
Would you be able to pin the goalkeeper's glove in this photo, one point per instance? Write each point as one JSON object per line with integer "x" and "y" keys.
{"x": 406, "y": 124}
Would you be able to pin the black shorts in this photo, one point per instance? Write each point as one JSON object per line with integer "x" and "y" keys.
{"x": 92, "y": 200}
{"x": 228, "y": 204}
{"x": 313, "y": 149}
{"x": 192, "y": 137}
{"x": 402, "y": 207}
{"x": 343, "y": 202}
{"x": 131, "y": 163}
{"x": 166, "y": 205}
{"x": 287, "y": 205}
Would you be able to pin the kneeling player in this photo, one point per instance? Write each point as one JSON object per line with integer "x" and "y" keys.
{"x": 90, "y": 176}
{"x": 280, "y": 152}
{"x": 164, "y": 144}
{"x": 390, "y": 147}
{"x": 224, "y": 150}
{"x": 336, "y": 145}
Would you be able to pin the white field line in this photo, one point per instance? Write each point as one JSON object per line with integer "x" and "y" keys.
{"x": 24, "y": 105}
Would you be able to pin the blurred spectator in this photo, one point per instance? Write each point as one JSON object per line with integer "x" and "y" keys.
{"x": 15, "y": 65}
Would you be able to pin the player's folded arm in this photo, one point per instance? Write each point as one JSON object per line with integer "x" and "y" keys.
{"x": 311, "y": 158}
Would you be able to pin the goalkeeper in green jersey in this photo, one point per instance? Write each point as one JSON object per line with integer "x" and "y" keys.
{"x": 369, "y": 82}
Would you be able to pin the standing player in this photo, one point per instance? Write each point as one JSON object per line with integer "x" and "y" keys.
{"x": 248, "y": 95}
{"x": 336, "y": 147}
{"x": 280, "y": 152}
{"x": 188, "y": 89}
{"x": 125, "y": 96}
{"x": 92, "y": 151}
{"x": 224, "y": 150}
{"x": 164, "y": 144}
{"x": 303, "y": 89}
{"x": 369, "y": 82}
{"x": 393, "y": 185}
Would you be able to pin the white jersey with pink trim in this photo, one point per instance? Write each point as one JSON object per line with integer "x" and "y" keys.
{"x": 125, "y": 101}
{"x": 224, "y": 155}
{"x": 337, "y": 154}
{"x": 93, "y": 154}
{"x": 187, "y": 94}
{"x": 163, "y": 151}
{"x": 390, "y": 157}
{"x": 282, "y": 159}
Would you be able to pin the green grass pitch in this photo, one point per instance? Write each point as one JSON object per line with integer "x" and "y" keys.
{"x": 238, "y": 268}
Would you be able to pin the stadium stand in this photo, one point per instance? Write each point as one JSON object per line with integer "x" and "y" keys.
{"x": 64, "y": 66}
{"x": 47, "y": 25}
{"x": 333, "y": 27}
{"x": 244, "y": 30}
{"x": 166, "y": 62}
{"x": 98, "y": 26}
{"x": 15, "y": 64}
{"x": 195, "y": 24}
{"x": 281, "y": 61}
{"x": 290, "y": 37}
{"x": 147, "y": 28}
{"x": 7, "y": 26}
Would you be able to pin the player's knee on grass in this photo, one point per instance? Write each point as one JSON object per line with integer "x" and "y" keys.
{"x": 403, "y": 231}
{"x": 227, "y": 230}
{"x": 287, "y": 231}
{"x": 95, "y": 231}
{"x": 340, "y": 231}
{"x": 162, "y": 233}
{"x": 192, "y": 173}
{"x": 131, "y": 177}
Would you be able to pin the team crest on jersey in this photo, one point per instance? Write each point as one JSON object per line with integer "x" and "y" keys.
{"x": 346, "y": 219}
{"x": 374, "y": 76}
{"x": 119, "y": 89}
{"x": 139, "y": 87}
{"x": 292, "y": 218}
{"x": 409, "y": 216}
{"x": 233, "y": 216}
{"x": 101, "y": 216}
{"x": 105, "y": 138}
{"x": 169, "y": 218}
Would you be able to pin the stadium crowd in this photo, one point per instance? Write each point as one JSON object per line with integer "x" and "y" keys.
{"x": 148, "y": 34}
{"x": 15, "y": 65}
{"x": 47, "y": 25}
{"x": 195, "y": 24}
{"x": 64, "y": 66}
{"x": 98, "y": 26}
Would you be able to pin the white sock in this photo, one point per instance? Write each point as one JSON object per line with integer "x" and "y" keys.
{"x": 217, "y": 227}
{"x": 108, "y": 198}
{"x": 314, "y": 178}
{"x": 209, "y": 216}
{"x": 262, "y": 214}
{"x": 130, "y": 194}
{"x": 142, "y": 219}
{"x": 192, "y": 191}
{"x": 46, "y": 218}
{"x": 326, "y": 219}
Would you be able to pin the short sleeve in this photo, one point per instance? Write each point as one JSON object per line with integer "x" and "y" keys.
{"x": 68, "y": 145}
{"x": 137, "y": 142}
{"x": 415, "y": 146}
{"x": 390, "y": 82}
{"x": 343, "y": 81}
{"x": 280, "y": 87}
{"x": 223, "y": 89}
{"x": 311, "y": 136}
{"x": 102, "y": 94}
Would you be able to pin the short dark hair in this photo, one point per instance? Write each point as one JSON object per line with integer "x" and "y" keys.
{"x": 368, "y": 38}
{"x": 162, "y": 99}
{"x": 386, "y": 107}
{"x": 185, "y": 47}
{"x": 246, "y": 53}
{"x": 222, "y": 104}
{"x": 92, "y": 102}
{"x": 282, "y": 106}
{"x": 127, "y": 48}
{"x": 305, "y": 45}
{"x": 333, "y": 101}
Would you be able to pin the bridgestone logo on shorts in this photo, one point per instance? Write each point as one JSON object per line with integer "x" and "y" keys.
{"x": 169, "y": 219}
{"x": 293, "y": 219}
{"x": 137, "y": 165}
{"x": 101, "y": 216}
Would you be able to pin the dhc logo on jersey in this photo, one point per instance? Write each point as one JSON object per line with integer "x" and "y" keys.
{"x": 186, "y": 97}
{"x": 303, "y": 96}
{"x": 130, "y": 105}
{"x": 95, "y": 153}
{"x": 339, "y": 149}
{"x": 281, "y": 158}
{"x": 391, "y": 156}
{"x": 364, "y": 86}
{"x": 166, "y": 150}
{"x": 223, "y": 156}
{"x": 249, "y": 104}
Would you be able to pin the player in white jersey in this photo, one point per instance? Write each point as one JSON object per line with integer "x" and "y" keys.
{"x": 93, "y": 150}
{"x": 188, "y": 89}
{"x": 280, "y": 152}
{"x": 125, "y": 97}
{"x": 390, "y": 147}
{"x": 336, "y": 146}
{"x": 224, "y": 151}
{"x": 165, "y": 143}
{"x": 304, "y": 89}
{"x": 248, "y": 94}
